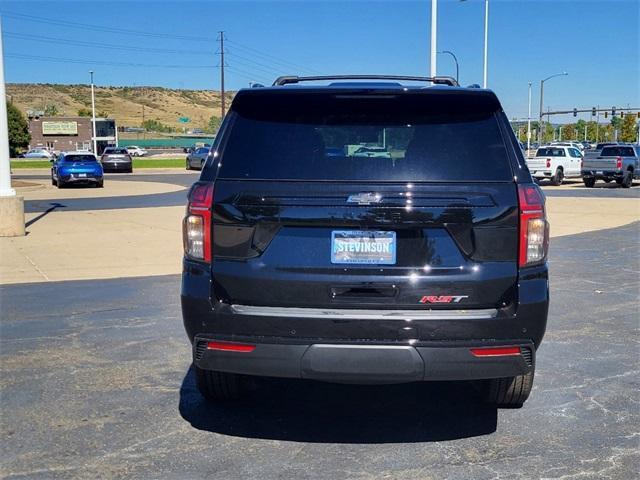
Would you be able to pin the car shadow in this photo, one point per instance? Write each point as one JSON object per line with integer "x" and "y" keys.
{"x": 308, "y": 411}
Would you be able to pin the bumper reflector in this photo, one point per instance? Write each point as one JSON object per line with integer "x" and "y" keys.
{"x": 495, "y": 351}
{"x": 230, "y": 347}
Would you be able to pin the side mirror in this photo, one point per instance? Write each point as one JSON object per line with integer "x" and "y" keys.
{"x": 52, "y": 160}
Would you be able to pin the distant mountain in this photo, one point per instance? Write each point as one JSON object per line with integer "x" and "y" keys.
{"x": 125, "y": 104}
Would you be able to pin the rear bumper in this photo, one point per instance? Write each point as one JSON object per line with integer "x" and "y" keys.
{"x": 541, "y": 172}
{"x": 90, "y": 178}
{"x": 364, "y": 362}
{"x": 600, "y": 174}
{"x": 117, "y": 167}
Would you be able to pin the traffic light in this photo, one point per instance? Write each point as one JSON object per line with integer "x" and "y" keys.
{"x": 613, "y": 111}
{"x": 575, "y": 112}
{"x": 621, "y": 114}
{"x": 593, "y": 112}
{"x": 638, "y": 114}
{"x": 606, "y": 114}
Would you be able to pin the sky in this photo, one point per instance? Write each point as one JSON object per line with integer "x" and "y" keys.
{"x": 174, "y": 44}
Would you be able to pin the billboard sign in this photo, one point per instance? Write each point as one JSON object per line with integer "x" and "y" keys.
{"x": 59, "y": 128}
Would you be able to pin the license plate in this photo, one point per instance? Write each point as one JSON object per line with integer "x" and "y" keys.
{"x": 353, "y": 246}
{"x": 82, "y": 175}
{"x": 599, "y": 172}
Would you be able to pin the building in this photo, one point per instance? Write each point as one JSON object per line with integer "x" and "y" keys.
{"x": 71, "y": 133}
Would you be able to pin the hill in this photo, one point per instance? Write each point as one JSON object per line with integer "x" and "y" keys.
{"x": 125, "y": 104}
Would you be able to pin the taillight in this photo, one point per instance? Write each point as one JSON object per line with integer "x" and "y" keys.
{"x": 619, "y": 163}
{"x": 534, "y": 228}
{"x": 548, "y": 163}
{"x": 196, "y": 226}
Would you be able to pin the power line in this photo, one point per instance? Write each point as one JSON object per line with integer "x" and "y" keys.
{"x": 100, "y": 62}
{"x": 86, "y": 26}
{"x": 84, "y": 43}
{"x": 273, "y": 58}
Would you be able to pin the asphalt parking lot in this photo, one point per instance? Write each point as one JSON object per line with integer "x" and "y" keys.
{"x": 96, "y": 382}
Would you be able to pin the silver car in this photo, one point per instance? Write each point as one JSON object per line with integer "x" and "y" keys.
{"x": 197, "y": 158}
{"x": 115, "y": 159}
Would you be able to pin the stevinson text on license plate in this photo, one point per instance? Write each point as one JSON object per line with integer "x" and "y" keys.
{"x": 353, "y": 246}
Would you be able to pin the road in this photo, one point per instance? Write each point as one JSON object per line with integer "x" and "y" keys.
{"x": 96, "y": 382}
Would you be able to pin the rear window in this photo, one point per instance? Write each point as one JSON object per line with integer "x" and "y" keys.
{"x": 79, "y": 158}
{"x": 360, "y": 137}
{"x": 117, "y": 151}
{"x": 617, "y": 152}
{"x": 550, "y": 152}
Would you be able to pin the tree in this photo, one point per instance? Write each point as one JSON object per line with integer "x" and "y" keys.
{"x": 213, "y": 125}
{"x": 616, "y": 124}
{"x": 580, "y": 124}
{"x": 19, "y": 136}
{"x": 569, "y": 131}
{"x": 84, "y": 112}
{"x": 51, "y": 111}
{"x": 629, "y": 129}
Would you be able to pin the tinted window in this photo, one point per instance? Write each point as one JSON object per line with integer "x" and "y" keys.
{"x": 79, "y": 158}
{"x": 550, "y": 152}
{"x": 117, "y": 151}
{"x": 341, "y": 137}
{"x": 617, "y": 152}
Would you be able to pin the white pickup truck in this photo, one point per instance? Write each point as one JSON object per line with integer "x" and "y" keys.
{"x": 555, "y": 163}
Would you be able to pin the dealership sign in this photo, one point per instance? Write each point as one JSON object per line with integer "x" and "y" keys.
{"x": 59, "y": 128}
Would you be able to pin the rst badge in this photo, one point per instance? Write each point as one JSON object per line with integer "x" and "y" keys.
{"x": 442, "y": 298}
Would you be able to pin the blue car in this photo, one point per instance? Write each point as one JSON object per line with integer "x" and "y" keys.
{"x": 77, "y": 168}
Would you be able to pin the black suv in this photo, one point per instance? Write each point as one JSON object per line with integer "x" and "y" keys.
{"x": 425, "y": 261}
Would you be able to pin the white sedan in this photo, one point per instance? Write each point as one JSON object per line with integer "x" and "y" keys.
{"x": 135, "y": 151}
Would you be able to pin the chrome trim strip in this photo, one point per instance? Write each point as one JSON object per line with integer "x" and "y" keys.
{"x": 361, "y": 314}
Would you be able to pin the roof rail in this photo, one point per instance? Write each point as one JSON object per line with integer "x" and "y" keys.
{"x": 284, "y": 80}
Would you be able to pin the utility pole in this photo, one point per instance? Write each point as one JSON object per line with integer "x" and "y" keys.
{"x": 93, "y": 116}
{"x": 434, "y": 36}
{"x": 529, "y": 122}
{"x": 222, "y": 99}
{"x": 597, "y": 123}
{"x": 11, "y": 206}
{"x": 486, "y": 43}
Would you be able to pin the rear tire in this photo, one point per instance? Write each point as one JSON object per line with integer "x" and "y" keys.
{"x": 557, "y": 178}
{"x": 53, "y": 182}
{"x": 100, "y": 184}
{"x": 509, "y": 392}
{"x": 218, "y": 386}
{"x": 627, "y": 180}
{"x": 589, "y": 182}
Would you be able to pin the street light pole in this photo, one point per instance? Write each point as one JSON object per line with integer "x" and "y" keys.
{"x": 434, "y": 35}
{"x": 93, "y": 116}
{"x": 529, "y": 122}
{"x": 542, "y": 101}
{"x": 455, "y": 59}
{"x": 486, "y": 42}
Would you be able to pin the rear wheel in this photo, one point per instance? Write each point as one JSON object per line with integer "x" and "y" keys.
{"x": 100, "y": 184}
{"x": 53, "y": 181}
{"x": 218, "y": 386}
{"x": 558, "y": 177}
{"x": 627, "y": 180}
{"x": 509, "y": 392}
{"x": 589, "y": 182}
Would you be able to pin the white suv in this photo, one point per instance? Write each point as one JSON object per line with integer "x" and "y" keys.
{"x": 555, "y": 163}
{"x": 136, "y": 151}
